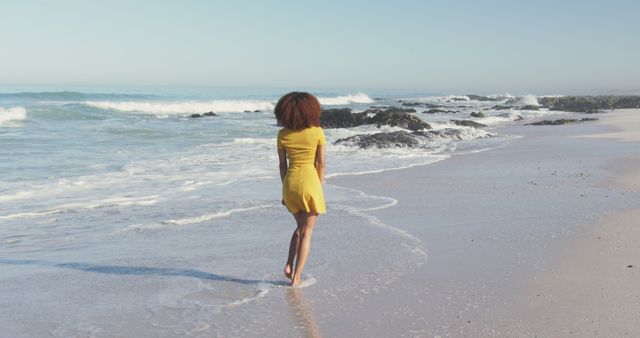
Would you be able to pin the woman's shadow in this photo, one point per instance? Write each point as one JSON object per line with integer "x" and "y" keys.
{"x": 142, "y": 271}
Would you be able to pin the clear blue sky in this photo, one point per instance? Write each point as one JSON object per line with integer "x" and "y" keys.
{"x": 482, "y": 46}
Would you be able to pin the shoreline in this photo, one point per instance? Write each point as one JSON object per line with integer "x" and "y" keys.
{"x": 467, "y": 301}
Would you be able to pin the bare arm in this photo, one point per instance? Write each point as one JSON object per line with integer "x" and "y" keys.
{"x": 282, "y": 157}
{"x": 320, "y": 161}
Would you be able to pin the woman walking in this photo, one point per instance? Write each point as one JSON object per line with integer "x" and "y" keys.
{"x": 301, "y": 152}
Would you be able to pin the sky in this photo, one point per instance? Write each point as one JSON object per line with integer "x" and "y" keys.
{"x": 540, "y": 47}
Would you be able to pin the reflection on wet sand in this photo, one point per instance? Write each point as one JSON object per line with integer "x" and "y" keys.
{"x": 303, "y": 314}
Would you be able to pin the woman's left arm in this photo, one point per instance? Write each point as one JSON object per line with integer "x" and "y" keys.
{"x": 320, "y": 161}
{"x": 282, "y": 157}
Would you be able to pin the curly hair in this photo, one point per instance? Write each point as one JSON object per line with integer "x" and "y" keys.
{"x": 298, "y": 110}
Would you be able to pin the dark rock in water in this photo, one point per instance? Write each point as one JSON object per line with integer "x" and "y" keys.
{"x": 257, "y": 111}
{"x": 529, "y": 107}
{"x": 247, "y": 111}
{"x": 378, "y": 99}
{"x": 519, "y": 118}
{"x": 477, "y": 114}
{"x": 395, "y": 117}
{"x": 400, "y": 119}
{"x": 341, "y": 118}
{"x": 512, "y": 101}
{"x": 382, "y": 140}
{"x": 500, "y": 107}
{"x": 590, "y": 104}
{"x": 439, "y": 111}
{"x": 421, "y": 104}
{"x": 457, "y": 99}
{"x": 390, "y": 109}
{"x": 195, "y": 116}
{"x": 468, "y": 123}
{"x": 482, "y": 98}
{"x": 559, "y": 121}
{"x": 405, "y": 139}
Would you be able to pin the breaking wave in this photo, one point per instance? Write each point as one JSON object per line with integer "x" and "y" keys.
{"x": 72, "y": 96}
{"x": 176, "y": 108}
{"x": 346, "y": 99}
{"x": 12, "y": 114}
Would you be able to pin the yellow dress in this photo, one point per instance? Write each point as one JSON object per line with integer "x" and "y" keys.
{"x": 301, "y": 188}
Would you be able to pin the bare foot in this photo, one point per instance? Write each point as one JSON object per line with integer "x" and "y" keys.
{"x": 295, "y": 281}
{"x": 287, "y": 271}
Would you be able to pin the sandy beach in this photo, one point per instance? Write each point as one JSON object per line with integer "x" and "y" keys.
{"x": 542, "y": 242}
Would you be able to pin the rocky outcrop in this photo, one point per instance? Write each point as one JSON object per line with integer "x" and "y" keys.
{"x": 403, "y": 139}
{"x": 399, "y": 119}
{"x": 420, "y": 104}
{"x": 342, "y": 118}
{"x": 439, "y": 111}
{"x": 195, "y": 116}
{"x": 468, "y": 123}
{"x": 395, "y": 117}
{"x": 477, "y": 114}
{"x": 559, "y": 122}
{"x": 529, "y": 107}
{"x": 501, "y": 107}
{"x": 589, "y": 104}
{"x": 483, "y": 98}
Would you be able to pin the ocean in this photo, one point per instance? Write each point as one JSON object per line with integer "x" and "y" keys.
{"x": 117, "y": 207}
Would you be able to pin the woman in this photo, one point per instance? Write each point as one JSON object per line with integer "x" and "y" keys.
{"x": 301, "y": 151}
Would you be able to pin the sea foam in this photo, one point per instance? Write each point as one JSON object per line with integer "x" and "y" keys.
{"x": 176, "y": 108}
{"x": 12, "y": 115}
{"x": 225, "y": 106}
{"x": 346, "y": 99}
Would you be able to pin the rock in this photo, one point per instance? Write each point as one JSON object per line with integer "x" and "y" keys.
{"x": 382, "y": 140}
{"x": 468, "y": 123}
{"x": 404, "y": 139}
{"x": 529, "y": 107}
{"x": 438, "y": 111}
{"x": 421, "y": 104}
{"x": 400, "y": 119}
{"x": 341, "y": 118}
{"x": 559, "y": 121}
{"x": 194, "y": 116}
{"x": 395, "y": 117}
{"x": 257, "y": 111}
{"x": 500, "y": 107}
{"x": 477, "y": 114}
{"x": 482, "y": 98}
{"x": 397, "y": 110}
{"x": 247, "y": 111}
{"x": 519, "y": 118}
{"x": 512, "y": 101}
{"x": 590, "y": 104}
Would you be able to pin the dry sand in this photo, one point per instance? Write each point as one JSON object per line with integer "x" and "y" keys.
{"x": 593, "y": 288}
{"x": 627, "y": 123}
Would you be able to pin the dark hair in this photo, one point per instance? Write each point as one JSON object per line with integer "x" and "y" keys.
{"x": 298, "y": 110}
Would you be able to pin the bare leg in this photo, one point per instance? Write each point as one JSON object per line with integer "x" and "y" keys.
{"x": 293, "y": 246}
{"x": 306, "y": 230}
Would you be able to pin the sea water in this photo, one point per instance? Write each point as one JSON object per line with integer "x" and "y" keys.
{"x": 121, "y": 215}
